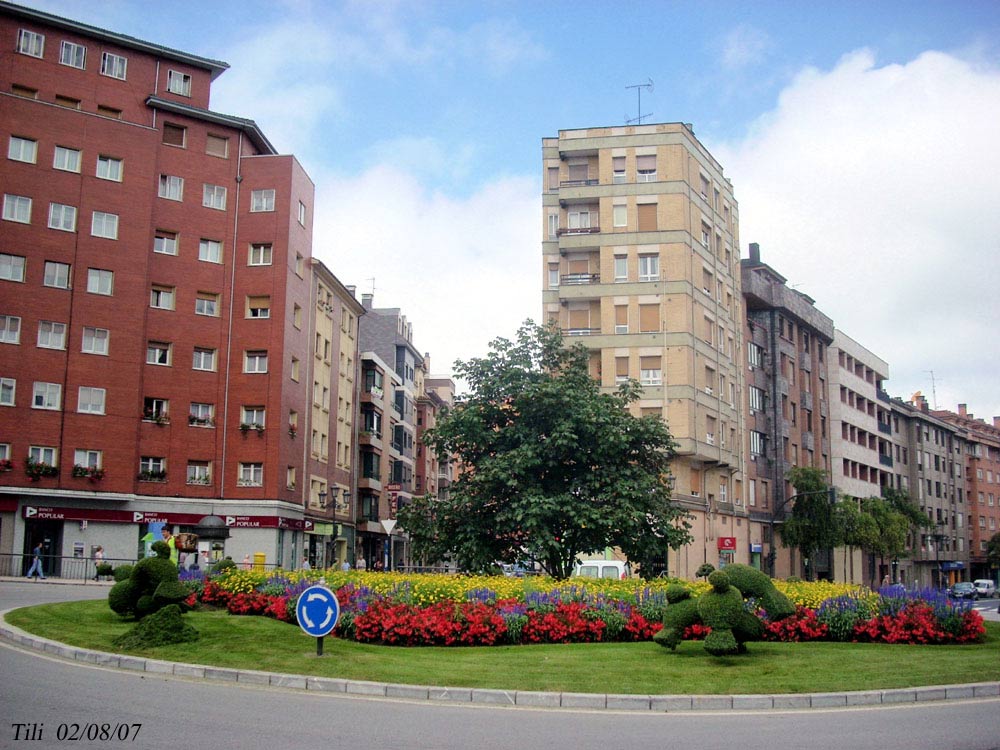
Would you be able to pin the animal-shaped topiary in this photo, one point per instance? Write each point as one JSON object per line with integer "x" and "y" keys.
{"x": 152, "y": 585}
{"x": 722, "y": 608}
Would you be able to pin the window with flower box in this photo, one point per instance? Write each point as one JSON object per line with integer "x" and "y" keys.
{"x": 250, "y": 475}
{"x": 199, "y": 472}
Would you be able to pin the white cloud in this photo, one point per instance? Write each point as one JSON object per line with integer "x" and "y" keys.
{"x": 463, "y": 270}
{"x": 744, "y": 46}
{"x": 875, "y": 189}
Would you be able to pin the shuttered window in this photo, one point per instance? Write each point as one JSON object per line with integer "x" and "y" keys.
{"x": 649, "y": 318}
{"x": 647, "y": 217}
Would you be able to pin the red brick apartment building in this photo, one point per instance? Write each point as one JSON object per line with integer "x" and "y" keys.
{"x": 157, "y": 308}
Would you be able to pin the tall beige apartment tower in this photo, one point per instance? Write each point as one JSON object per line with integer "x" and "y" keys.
{"x": 640, "y": 257}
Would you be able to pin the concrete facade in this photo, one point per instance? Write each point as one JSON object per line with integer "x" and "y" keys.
{"x": 640, "y": 263}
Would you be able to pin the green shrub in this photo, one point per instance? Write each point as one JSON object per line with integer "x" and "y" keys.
{"x": 222, "y": 566}
{"x": 150, "y": 572}
{"x": 170, "y": 592}
{"x": 123, "y": 596}
{"x": 158, "y": 629}
{"x": 104, "y": 569}
{"x": 123, "y": 572}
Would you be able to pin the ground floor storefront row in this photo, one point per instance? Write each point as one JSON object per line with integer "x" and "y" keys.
{"x": 71, "y": 527}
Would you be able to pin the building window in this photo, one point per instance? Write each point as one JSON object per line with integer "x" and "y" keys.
{"x": 299, "y": 265}
{"x": 22, "y": 149}
{"x": 156, "y": 410}
{"x": 210, "y": 251}
{"x": 255, "y": 362}
{"x": 295, "y": 369}
{"x": 113, "y": 65}
{"x": 251, "y": 475}
{"x": 88, "y": 459}
{"x": 66, "y": 159}
{"x": 645, "y": 168}
{"x": 17, "y": 208}
{"x": 104, "y": 225}
{"x": 214, "y": 196}
{"x": 253, "y": 416}
{"x": 10, "y": 329}
{"x": 756, "y": 398}
{"x": 56, "y": 274}
{"x": 755, "y": 354}
{"x": 90, "y": 400}
{"x": 621, "y": 318}
{"x": 152, "y": 468}
{"x": 206, "y": 303}
{"x": 619, "y": 215}
{"x": 198, "y": 472}
{"x": 95, "y": 340}
{"x": 650, "y": 372}
{"x": 203, "y": 359}
{"x": 649, "y": 268}
{"x": 46, "y": 396}
{"x": 216, "y": 145}
{"x": 618, "y": 170}
{"x": 109, "y": 168}
{"x": 302, "y": 213}
{"x": 174, "y": 135}
{"x": 165, "y": 242}
{"x": 158, "y": 353}
{"x": 39, "y": 454}
{"x": 161, "y": 297}
{"x": 553, "y": 276}
{"x": 51, "y": 335}
{"x": 62, "y": 217}
{"x": 621, "y": 268}
{"x": 259, "y": 307}
{"x": 106, "y": 111}
{"x": 67, "y": 101}
{"x": 201, "y": 415}
{"x": 262, "y": 200}
{"x": 758, "y": 443}
{"x": 171, "y": 188}
{"x": 30, "y": 43}
{"x": 260, "y": 255}
{"x": 8, "y": 386}
{"x": 178, "y": 83}
{"x": 100, "y": 281}
{"x": 11, "y": 267}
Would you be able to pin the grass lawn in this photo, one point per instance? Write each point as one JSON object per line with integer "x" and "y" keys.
{"x": 643, "y": 668}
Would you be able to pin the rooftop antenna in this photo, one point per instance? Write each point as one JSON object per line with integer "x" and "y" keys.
{"x": 638, "y": 92}
{"x": 372, "y": 280}
{"x": 933, "y": 388}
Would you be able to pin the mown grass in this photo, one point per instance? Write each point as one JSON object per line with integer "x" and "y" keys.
{"x": 638, "y": 668}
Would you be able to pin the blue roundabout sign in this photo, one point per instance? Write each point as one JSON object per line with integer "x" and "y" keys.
{"x": 317, "y": 611}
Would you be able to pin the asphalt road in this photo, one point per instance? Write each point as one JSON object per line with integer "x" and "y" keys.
{"x": 45, "y": 697}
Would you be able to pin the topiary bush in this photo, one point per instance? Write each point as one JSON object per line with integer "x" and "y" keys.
{"x": 122, "y": 572}
{"x": 160, "y": 628}
{"x": 152, "y": 585}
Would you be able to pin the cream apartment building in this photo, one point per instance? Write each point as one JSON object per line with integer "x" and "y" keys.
{"x": 640, "y": 260}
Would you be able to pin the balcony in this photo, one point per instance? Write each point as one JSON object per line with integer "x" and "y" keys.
{"x": 570, "y": 279}
{"x": 886, "y": 428}
{"x": 580, "y": 331}
{"x": 885, "y": 460}
{"x": 568, "y": 231}
{"x": 579, "y": 183}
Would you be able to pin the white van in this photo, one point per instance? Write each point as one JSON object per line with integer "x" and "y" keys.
{"x": 601, "y": 569}
{"x": 985, "y": 587}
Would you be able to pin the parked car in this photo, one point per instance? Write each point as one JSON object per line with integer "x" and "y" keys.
{"x": 601, "y": 569}
{"x": 963, "y": 590}
{"x": 985, "y": 587}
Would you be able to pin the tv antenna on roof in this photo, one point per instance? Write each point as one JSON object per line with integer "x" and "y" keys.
{"x": 933, "y": 388}
{"x": 638, "y": 92}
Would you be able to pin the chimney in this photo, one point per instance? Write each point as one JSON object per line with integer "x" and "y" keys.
{"x": 996, "y": 422}
{"x": 754, "y": 253}
{"x": 366, "y": 301}
{"x": 963, "y": 410}
{"x": 352, "y": 290}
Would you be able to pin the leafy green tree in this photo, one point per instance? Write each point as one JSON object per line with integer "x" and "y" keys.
{"x": 812, "y": 525}
{"x": 891, "y": 527}
{"x": 551, "y": 467}
{"x": 993, "y": 551}
{"x": 857, "y": 530}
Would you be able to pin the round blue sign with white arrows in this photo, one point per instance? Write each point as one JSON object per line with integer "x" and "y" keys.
{"x": 317, "y": 611}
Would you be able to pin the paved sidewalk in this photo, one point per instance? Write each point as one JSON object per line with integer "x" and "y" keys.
{"x": 532, "y": 699}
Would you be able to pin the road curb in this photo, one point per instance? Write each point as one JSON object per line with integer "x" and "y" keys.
{"x": 511, "y": 698}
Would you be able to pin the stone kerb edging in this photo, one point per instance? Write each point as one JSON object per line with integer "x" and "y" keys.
{"x": 515, "y": 698}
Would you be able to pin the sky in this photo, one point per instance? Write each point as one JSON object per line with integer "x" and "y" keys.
{"x": 862, "y": 140}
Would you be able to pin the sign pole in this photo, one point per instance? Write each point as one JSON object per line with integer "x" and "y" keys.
{"x": 319, "y": 646}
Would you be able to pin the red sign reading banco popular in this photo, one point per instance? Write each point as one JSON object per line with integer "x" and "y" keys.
{"x": 727, "y": 543}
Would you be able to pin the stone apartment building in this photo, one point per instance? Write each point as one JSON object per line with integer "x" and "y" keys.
{"x": 640, "y": 263}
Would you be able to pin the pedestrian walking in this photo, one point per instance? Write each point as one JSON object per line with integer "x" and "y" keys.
{"x": 36, "y": 563}
{"x": 98, "y": 561}
{"x": 362, "y": 565}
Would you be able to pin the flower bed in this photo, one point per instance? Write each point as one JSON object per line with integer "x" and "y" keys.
{"x": 439, "y": 610}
